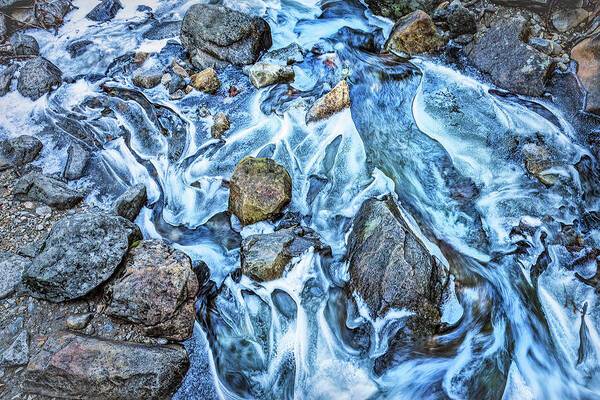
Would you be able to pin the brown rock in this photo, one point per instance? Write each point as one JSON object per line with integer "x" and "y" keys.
{"x": 333, "y": 102}
{"x": 206, "y": 81}
{"x": 587, "y": 55}
{"x": 413, "y": 34}
{"x": 220, "y": 126}
{"x": 537, "y": 161}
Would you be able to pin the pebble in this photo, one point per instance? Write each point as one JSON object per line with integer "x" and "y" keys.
{"x": 43, "y": 210}
{"x": 79, "y": 322}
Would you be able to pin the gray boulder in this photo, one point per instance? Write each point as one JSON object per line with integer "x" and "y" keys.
{"x": 81, "y": 367}
{"x": 460, "y": 20}
{"x": 36, "y": 186}
{"x": 105, "y": 11}
{"x": 512, "y": 64}
{"x": 77, "y": 160}
{"x": 24, "y": 45}
{"x": 19, "y": 151}
{"x": 38, "y": 77}
{"x": 390, "y": 267}
{"x": 130, "y": 203}
{"x": 6, "y": 78}
{"x": 217, "y": 36}
{"x": 81, "y": 252}
{"x": 11, "y": 273}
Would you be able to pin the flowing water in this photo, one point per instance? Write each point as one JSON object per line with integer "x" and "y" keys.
{"x": 518, "y": 323}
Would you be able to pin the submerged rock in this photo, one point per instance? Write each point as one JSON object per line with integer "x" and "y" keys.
{"x": 105, "y": 11}
{"x": 259, "y": 190}
{"x": 130, "y": 203}
{"x": 390, "y": 267}
{"x": 587, "y": 55}
{"x": 206, "y": 81}
{"x": 24, "y": 45}
{"x": 36, "y": 186}
{"x": 11, "y": 267}
{"x": 83, "y": 367}
{"x": 77, "y": 160}
{"x": 331, "y": 103}
{"x": 19, "y": 151}
{"x": 221, "y": 125}
{"x": 216, "y": 36}
{"x": 38, "y": 77}
{"x": 81, "y": 252}
{"x": 158, "y": 290}
{"x": 413, "y": 34}
{"x": 263, "y": 74}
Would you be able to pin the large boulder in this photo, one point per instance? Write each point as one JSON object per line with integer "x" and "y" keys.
{"x": 77, "y": 160}
{"x": 587, "y": 55}
{"x": 81, "y": 252}
{"x": 395, "y": 9}
{"x": 36, "y": 186}
{"x": 259, "y": 190}
{"x": 331, "y": 103}
{"x": 413, "y": 34}
{"x": 390, "y": 267}
{"x": 19, "y": 151}
{"x": 81, "y": 367}
{"x": 502, "y": 53}
{"x": 38, "y": 77}
{"x": 157, "y": 290}
{"x": 11, "y": 273}
{"x": 216, "y": 36}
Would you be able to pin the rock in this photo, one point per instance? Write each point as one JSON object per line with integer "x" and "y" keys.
{"x": 45, "y": 189}
{"x": 24, "y": 45}
{"x": 78, "y": 47}
{"x": 130, "y": 203}
{"x": 77, "y": 160}
{"x": 531, "y": 4}
{"x": 587, "y": 55}
{"x": 220, "y": 126}
{"x": 79, "y": 322}
{"x": 38, "y": 77}
{"x": 390, "y": 267}
{"x": 288, "y": 55}
{"x": 18, "y": 352}
{"x": 537, "y": 161}
{"x": 148, "y": 75}
{"x": 546, "y": 46}
{"x": 217, "y": 36}
{"x": 4, "y": 4}
{"x": 105, "y": 11}
{"x": 259, "y": 190}
{"x": 332, "y": 103}
{"x": 565, "y": 20}
{"x": 461, "y": 21}
{"x": 6, "y": 78}
{"x": 262, "y": 74}
{"x": 413, "y": 34}
{"x": 83, "y": 367}
{"x": 395, "y": 9}
{"x": 19, "y": 151}
{"x": 163, "y": 30}
{"x": 158, "y": 290}
{"x": 81, "y": 252}
{"x": 264, "y": 257}
{"x": 3, "y": 28}
{"x": 12, "y": 267}
{"x": 51, "y": 13}
{"x": 512, "y": 64}
{"x": 206, "y": 81}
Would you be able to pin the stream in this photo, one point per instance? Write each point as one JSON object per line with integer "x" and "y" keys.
{"x": 518, "y": 324}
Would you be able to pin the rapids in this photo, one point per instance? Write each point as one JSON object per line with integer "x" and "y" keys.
{"x": 518, "y": 323}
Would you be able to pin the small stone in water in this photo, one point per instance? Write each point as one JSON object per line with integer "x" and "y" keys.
{"x": 220, "y": 126}
{"x": 206, "y": 81}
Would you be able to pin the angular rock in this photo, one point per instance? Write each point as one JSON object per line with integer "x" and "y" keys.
{"x": 45, "y": 189}
{"x": 6, "y": 78}
{"x": 413, "y": 34}
{"x": 206, "y": 81}
{"x": 390, "y": 267}
{"x": 130, "y": 203}
{"x": 11, "y": 273}
{"x": 148, "y": 75}
{"x": 512, "y": 64}
{"x": 587, "y": 55}
{"x": 461, "y": 21}
{"x": 19, "y": 151}
{"x": 38, "y": 77}
{"x": 217, "y": 36}
{"x": 78, "y": 47}
{"x": 79, "y": 322}
{"x": 18, "y": 352}
{"x": 82, "y": 367}
{"x": 77, "y": 160}
{"x": 537, "y": 161}
{"x": 263, "y": 74}
{"x": 565, "y": 20}
{"x": 259, "y": 190}
{"x": 264, "y": 257}
{"x": 395, "y": 9}
{"x": 157, "y": 290}
{"x": 220, "y": 126}
{"x": 24, "y": 45}
{"x": 546, "y": 46}
{"x": 288, "y": 55}
{"x": 331, "y": 103}
{"x": 105, "y": 11}
{"x": 81, "y": 252}
{"x": 51, "y": 13}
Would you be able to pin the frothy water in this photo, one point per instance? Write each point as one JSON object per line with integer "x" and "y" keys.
{"x": 519, "y": 324}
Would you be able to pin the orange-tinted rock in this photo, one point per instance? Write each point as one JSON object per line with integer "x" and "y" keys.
{"x": 415, "y": 33}
{"x": 587, "y": 55}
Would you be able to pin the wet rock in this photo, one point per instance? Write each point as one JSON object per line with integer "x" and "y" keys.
{"x": 158, "y": 290}
{"x": 11, "y": 267}
{"x": 206, "y": 81}
{"x": 3, "y": 28}
{"x": 259, "y": 190}
{"x": 564, "y": 20}
{"x": 390, "y": 267}
{"x": 291, "y": 54}
{"x": 79, "y": 322}
{"x": 24, "y": 45}
{"x": 512, "y": 64}
{"x": 19, "y": 151}
{"x": 105, "y": 11}
{"x": 18, "y": 352}
{"x": 220, "y": 126}
{"x": 83, "y": 367}
{"x": 263, "y": 74}
{"x": 333, "y": 102}
{"x": 81, "y": 252}
{"x": 51, "y": 13}
{"x": 6, "y": 78}
{"x": 148, "y": 75}
{"x": 217, "y": 36}
{"x": 395, "y": 9}
{"x": 77, "y": 160}
{"x": 537, "y": 161}
{"x": 163, "y": 30}
{"x": 413, "y": 34}
{"x": 130, "y": 203}
{"x": 45, "y": 189}
{"x": 38, "y": 77}
{"x": 461, "y": 21}
{"x": 264, "y": 257}
{"x": 546, "y": 46}
{"x": 587, "y": 55}
{"x": 78, "y": 47}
